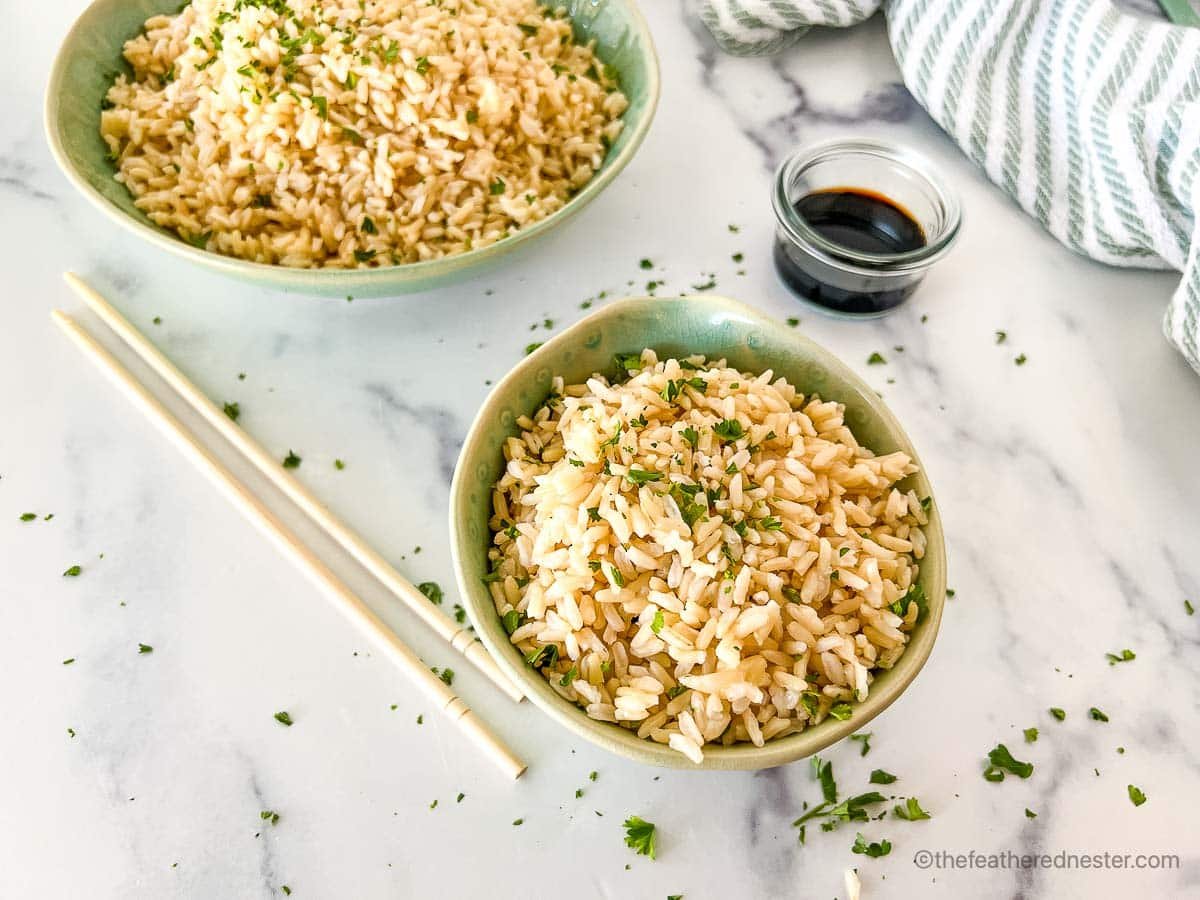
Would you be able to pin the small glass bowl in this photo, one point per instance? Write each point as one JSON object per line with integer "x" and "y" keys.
{"x": 842, "y": 280}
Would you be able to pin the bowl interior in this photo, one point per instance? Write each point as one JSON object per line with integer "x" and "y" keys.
{"x": 91, "y": 58}
{"x": 716, "y": 327}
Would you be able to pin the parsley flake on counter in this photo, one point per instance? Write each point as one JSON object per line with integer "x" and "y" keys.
{"x": 639, "y": 835}
{"x": 518, "y": 822}
{"x": 291, "y": 461}
{"x": 1096, "y": 715}
{"x": 459, "y": 798}
{"x": 646, "y": 264}
{"x": 287, "y": 890}
{"x": 793, "y": 321}
{"x": 1031, "y": 735}
{"x": 268, "y": 815}
{"x": 1001, "y": 760}
{"x": 433, "y": 805}
{"x": 734, "y": 229}
{"x": 233, "y": 410}
{"x": 339, "y": 464}
{"x": 73, "y": 572}
{"x": 875, "y": 849}
{"x": 879, "y": 776}
{"x": 529, "y": 348}
{"x": 447, "y": 675}
{"x": 706, "y": 285}
{"x": 865, "y": 737}
{"x": 1021, "y": 360}
{"x": 157, "y": 320}
{"x": 145, "y": 648}
{"x": 1123, "y": 656}
{"x": 1001, "y": 337}
{"x": 876, "y": 359}
{"x": 1059, "y": 714}
{"x": 28, "y": 517}
{"x": 592, "y": 776}
{"x": 1188, "y": 608}
{"x": 1029, "y": 813}
{"x": 68, "y": 661}
{"x": 1135, "y": 795}
{"x": 822, "y": 770}
{"x": 284, "y": 718}
{"x": 421, "y": 719}
{"x": 432, "y": 591}
{"x": 71, "y": 732}
{"x": 910, "y": 810}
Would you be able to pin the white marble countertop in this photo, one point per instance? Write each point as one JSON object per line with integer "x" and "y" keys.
{"x": 1068, "y": 488}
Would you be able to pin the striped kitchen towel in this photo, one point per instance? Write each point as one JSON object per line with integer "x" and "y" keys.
{"x": 1089, "y": 117}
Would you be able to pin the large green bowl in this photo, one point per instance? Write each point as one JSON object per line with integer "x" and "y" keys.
{"x": 90, "y": 58}
{"x": 716, "y": 327}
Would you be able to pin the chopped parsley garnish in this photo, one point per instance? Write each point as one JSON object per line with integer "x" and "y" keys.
{"x": 1001, "y": 760}
{"x": 628, "y": 362}
{"x": 422, "y": 65}
{"x": 841, "y": 711}
{"x": 865, "y": 737}
{"x": 1123, "y": 656}
{"x": 729, "y": 430}
{"x": 910, "y": 810}
{"x": 657, "y": 624}
{"x": 73, "y": 572}
{"x": 879, "y": 776}
{"x": 689, "y": 434}
{"x": 497, "y": 187}
{"x": 322, "y": 106}
{"x": 530, "y": 30}
{"x": 233, "y": 410}
{"x": 292, "y": 461}
{"x": 1059, "y": 714}
{"x": 354, "y": 136}
{"x": 284, "y": 718}
{"x": 876, "y": 359}
{"x": 1135, "y": 795}
{"x": 1031, "y": 735}
{"x": 1097, "y": 715}
{"x": 511, "y": 621}
{"x": 368, "y": 226}
{"x": 674, "y": 692}
{"x": 642, "y": 476}
{"x": 770, "y": 523}
{"x": 571, "y": 675}
{"x": 145, "y": 648}
{"x": 822, "y": 770}
{"x": 364, "y": 255}
{"x": 639, "y": 834}
{"x": 460, "y": 614}
{"x": 472, "y": 116}
{"x": 875, "y": 849}
{"x": 546, "y": 655}
{"x": 593, "y": 513}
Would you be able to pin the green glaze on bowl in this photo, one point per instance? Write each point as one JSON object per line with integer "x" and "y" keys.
{"x": 90, "y": 58}
{"x": 716, "y": 327}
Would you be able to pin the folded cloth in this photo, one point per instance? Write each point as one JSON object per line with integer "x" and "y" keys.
{"x": 1088, "y": 117}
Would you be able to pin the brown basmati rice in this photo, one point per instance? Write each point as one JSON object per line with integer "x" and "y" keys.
{"x": 338, "y": 133}
{"x": 703, "y": 555}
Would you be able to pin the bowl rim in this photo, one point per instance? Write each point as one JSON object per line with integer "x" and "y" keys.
{"x": 478, "y": 602}
{"x": 329, "y": 279}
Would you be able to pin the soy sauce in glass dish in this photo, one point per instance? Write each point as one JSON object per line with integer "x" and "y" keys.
{"x": 858, "y": 225}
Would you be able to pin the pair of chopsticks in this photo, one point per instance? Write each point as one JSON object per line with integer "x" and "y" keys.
{"x": 349, "y": 604}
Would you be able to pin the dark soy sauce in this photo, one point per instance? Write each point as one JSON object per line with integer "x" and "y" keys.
{"x": 860, "y": 220}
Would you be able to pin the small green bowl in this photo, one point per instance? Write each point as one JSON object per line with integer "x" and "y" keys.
{"x": 90, "y": 58}
{"x": 716, "y": 327}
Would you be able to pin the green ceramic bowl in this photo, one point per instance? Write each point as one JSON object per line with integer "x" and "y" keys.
{"x": 717, "y": 327}
{"x": 90, "y": 58}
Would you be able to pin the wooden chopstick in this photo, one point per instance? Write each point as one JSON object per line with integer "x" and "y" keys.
{"x": 353, "y": 608}
{"x": 460, "y": 638}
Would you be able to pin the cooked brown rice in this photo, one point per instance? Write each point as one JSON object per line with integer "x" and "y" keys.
{"x": 345, "y": 133}
{"x": 703, "y": 555}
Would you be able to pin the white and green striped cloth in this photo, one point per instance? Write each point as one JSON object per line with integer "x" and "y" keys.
{"x": 1089, "y": 117}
